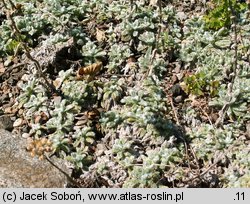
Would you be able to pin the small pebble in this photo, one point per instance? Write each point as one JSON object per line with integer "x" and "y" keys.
{"x": 99, "y": 152}
{"x": 8, "y": 110}
{"x": 178, "y": 99}
{"x": 6, "y": 122}
{"x": 4, "y": 97}
{"x": 25, "y": 77}
{"x": 25, "y": 135}
{"x": 18, "y": 122}
{"x": 20, "y": 111}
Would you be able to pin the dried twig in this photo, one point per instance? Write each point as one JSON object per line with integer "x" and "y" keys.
{"x": 217, "y": 160}
{"x": 18, "y": 66}
{"x": 203, "y": 173}
{"x": 182, "y": 138}
{"x": 131, "y": 5}
{"x": 70, "y": 179}
{"x": 174, "y": 110}
{"x": 157, "y": 38}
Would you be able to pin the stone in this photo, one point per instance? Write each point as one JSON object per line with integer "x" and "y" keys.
{"x": 25, "y": 135}
{"x": 3, "y": 97}
{"x": 177, "y": 90}
{"x": 19, "y": 169}
{"x": 61, "y": 56}
{"x": 181, "y": 15}
{"x": 6, "y": 122}
{"x": 178, "y": 99}
{"x": 18, "y": 122}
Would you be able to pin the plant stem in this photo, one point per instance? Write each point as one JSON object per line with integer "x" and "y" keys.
{"x": 70, "y": 179}
{"x": 157, "y": 39}
{"x": 233, "y": 73}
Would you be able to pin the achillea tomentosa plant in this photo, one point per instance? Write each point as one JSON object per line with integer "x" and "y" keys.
{"x": 237, "y": 174}
{"x": 54, "y": 20}
{"x": 154, "y": 165}
{"x": 223, "y": 145}
{"x": 79, "y": 91}
{"x": 112, "y": 92}
{"x": 144, "y": 103}
{"x": 30, "y": 88}
{"x": 60, "y": 124}
{"x": 238, "y": 105}
{"x": 134, "y": 122}
{"x": 207, "y": 140}
{"x": 118, "y": 54}
{"x": 137, "y": 23}
{"x": 144, "y": 107}
{"x": 158, "y": 66}
{"x": 123, "y": 152}
{"x": 91, "y": 52}
{"x": 61, "y": 115}
{"x": 142, "y": 117}
{"x": 83, "y": 139}
{"x": 34, "y": 98}
{"x": 219, "y": 60}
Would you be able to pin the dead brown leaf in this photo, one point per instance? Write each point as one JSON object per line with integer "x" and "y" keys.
{"x": 100, "y": 35}
{"x": 92, "y": 69}
{"x": 93, "y": 114}
{"x": 2, "y": 68}
{"x": 57, "y": 83}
